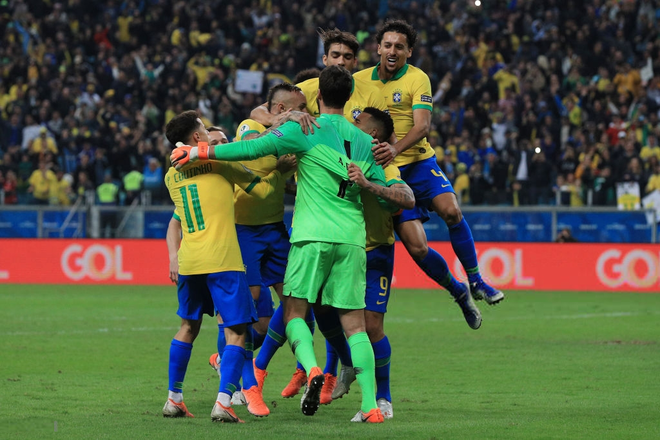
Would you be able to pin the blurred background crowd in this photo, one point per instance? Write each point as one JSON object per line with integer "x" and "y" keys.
{"x": 536, "y": 101}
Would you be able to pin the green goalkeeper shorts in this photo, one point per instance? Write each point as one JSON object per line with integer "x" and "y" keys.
{"x": 335, "y": 271}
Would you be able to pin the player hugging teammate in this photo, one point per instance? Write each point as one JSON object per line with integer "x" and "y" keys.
{"x": 344, "y": 180}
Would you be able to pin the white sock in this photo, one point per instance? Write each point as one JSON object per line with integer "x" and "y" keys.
{"x": 176, "y": 397}
{"x": 224, "y": 399}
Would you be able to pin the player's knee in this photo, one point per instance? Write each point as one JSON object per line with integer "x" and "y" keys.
{"x": 451, "y": 214}
{"x": 418, "y": 251}
{"x": 375, "y": 331}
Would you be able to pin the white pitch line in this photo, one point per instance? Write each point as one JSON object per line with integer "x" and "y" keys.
{"x": 527, "y": 318}
{"x": 394, "y": 320}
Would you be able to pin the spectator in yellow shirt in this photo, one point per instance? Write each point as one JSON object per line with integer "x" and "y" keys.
{"x": 462, "y": 184}
{"x": 42, "y": 144}
{"x": 654, "y": 180}
{"x": 627, "y": 80}
{"x": 41, "y": 181}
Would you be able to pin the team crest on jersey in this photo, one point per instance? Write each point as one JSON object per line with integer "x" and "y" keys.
{"x": 396, "y": 96}
{"x": 356, "y": 112}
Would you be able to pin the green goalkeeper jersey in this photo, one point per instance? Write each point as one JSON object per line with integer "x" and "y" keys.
{"x": 328, "y": 206}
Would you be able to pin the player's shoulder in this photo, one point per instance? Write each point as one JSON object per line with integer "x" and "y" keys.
{"x": 365, "y": 75}
{"x": 309, "y": 84}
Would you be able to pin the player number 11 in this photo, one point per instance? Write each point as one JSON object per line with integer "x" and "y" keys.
{"x": 197, "y": 208}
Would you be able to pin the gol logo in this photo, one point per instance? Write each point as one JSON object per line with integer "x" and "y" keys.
{"x": 510, "y": 268}
{"x": 623, "y": 270}
{"x": 77, "y": 264}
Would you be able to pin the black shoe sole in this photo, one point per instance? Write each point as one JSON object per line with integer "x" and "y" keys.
{"x": 312, "y": 399}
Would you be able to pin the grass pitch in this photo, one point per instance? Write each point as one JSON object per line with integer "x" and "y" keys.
{"x": 91, "y": 362}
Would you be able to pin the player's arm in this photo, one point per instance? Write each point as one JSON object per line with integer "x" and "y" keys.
{"x": 259, "y": 187}
{"x": 267, "y": 119}
{"x": 384, "y": 153}
{"x": 173, "y": 240}
{"x": 398, "y": 194}
{"x": 286, "y": 139}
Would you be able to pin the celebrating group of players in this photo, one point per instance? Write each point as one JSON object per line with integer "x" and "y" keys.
{"x": 358, "y": 147}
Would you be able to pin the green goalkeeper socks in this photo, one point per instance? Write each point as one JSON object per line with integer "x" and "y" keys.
{"x": 302, "y": 343}
{"x": 362, "y": 354}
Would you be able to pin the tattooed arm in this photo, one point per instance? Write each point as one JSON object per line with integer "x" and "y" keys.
{"x": 398, "y": 194}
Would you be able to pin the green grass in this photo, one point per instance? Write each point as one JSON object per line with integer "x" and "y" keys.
{"x": 543, "y": 365}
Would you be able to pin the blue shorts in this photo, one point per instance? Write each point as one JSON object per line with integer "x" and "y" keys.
{"x": 427, "y": 181}
{"x": 224, "y": 292}
{"x": 264, "y": 305}
{"x": 265, "y": 249}
{"x": 380, "y": 265}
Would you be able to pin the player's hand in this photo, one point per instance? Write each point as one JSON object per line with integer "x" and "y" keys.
{"x": 182, "y": 155}
{"x": 306, "y": 121}
{"x": 185, "y": 154}
{"x": 384, "y": 153}
{"x": 174, "y": 270}
{"x": 286, "y": 163}
{"x": 357, "y": 176}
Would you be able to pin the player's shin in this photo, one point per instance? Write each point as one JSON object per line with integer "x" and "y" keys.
{"x": 382, "y": 354}
{"x": 230, "y": 373}
{"x": 363, "y": 362}
{"x": 463, "y": 245}
{"x": 302, "y": 342}
{"x": 436, "y": 268}
{"x": 179, "y": 358}
{"x": 275, "y": 338}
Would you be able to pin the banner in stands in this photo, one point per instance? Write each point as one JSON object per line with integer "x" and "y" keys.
{"x": 524, "y": 266}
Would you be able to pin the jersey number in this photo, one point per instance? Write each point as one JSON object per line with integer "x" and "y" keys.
{"x": 345, "y": 183}
{"x": 197, "y": 208}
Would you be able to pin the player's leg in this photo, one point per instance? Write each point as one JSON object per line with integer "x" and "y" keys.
{"x": 345, "y": 290}
{"x": 233, "y": 301}
{"x": 194, "y": 301}
{"x": 336, "y": 347}
{"x": 380, "y": 266}
{"x": 431, "y": 262}
{"x": 306, "y": 272}
{"x": 265, "y": 310}
{"x": 446, "y": 206}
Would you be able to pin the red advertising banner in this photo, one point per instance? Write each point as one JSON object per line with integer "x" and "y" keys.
{"x": 525, "y": 266}
{"x": 547, "y": 266}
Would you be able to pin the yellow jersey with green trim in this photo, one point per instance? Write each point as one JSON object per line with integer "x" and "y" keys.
{"x": 408, "y": 90}
{"x": 203, "y": 194}
{"x": 378, "y": 221}
{"x": 248, "y": 209}
{"x": 363, "y": 95}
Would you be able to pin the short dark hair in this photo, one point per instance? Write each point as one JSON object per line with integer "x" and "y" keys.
{"x": 335, "y": 36}
{"x": 306, "y": 74}
{"x": 400, "y": 27}
{"x": 213, "y": 128}
{"x": 182, "y": 126}
{"x": 383, "y": 119}
{"x": 335, "y": 84}
{"x": 283, "y": 87}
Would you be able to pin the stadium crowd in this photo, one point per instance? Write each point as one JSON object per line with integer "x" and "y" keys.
{"x": 536, "y": 102}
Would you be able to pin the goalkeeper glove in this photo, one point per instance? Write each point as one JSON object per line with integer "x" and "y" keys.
{"x": 185, "y": 154}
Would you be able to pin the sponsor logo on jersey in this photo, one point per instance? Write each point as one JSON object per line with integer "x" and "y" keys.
{"x": 422, "y": 150}
{"x": 426, "y": 98}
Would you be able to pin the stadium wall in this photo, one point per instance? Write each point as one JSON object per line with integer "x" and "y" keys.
{"x": 525, "y": 266}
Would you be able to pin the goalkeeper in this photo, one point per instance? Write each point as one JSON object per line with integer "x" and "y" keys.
{"x": 328, "y": 242}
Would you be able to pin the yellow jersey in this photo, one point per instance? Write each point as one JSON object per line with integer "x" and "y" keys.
{"x": 408, "y": 90}
{"x": 42, "y": 183}
{"x": 248, "y": 209}
{"x": 363, "y": 95}
{"x": 378, "y": 222}
{"x": 203, "y": 195}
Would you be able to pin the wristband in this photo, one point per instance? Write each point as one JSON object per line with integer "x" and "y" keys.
{"x": 203, "y": 151}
